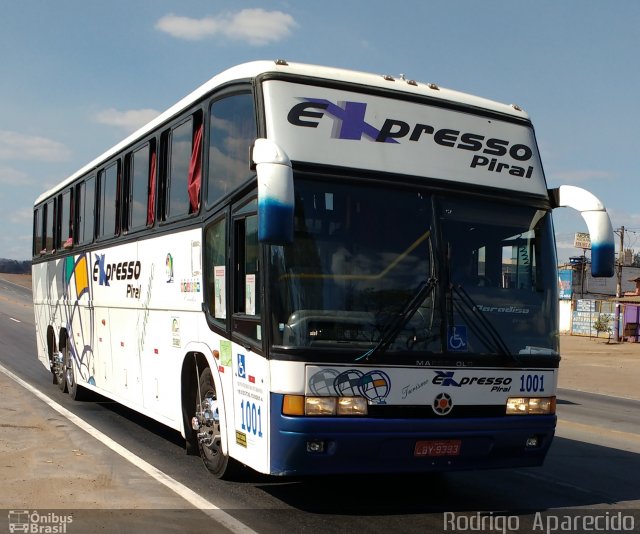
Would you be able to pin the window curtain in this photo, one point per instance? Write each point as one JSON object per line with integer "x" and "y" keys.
{"x": 195, "y": 171}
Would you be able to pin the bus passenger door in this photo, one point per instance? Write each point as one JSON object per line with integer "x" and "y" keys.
{"x": 249, "y": 441}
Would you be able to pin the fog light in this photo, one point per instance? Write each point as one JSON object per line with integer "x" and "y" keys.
{"x": 532, "y": 442}
{"x": 315, "y": 446}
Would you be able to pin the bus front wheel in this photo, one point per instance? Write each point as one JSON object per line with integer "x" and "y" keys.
{"x": 206, "y": 424}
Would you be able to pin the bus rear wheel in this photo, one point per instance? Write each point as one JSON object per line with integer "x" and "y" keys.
{"x": 206, "y": 424}
{"x": 75, "y": 391}
{"x": 59, "y": 372}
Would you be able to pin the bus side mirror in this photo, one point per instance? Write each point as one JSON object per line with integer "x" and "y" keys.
{"x": 598, "y": 223}
{"x": 275, "y": 192}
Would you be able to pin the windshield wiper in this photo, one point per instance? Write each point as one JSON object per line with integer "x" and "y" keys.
{"x": 402, "y": 318}
{"x": 476, "y": 320}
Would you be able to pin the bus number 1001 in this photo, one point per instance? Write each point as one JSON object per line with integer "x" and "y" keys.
{"x": 251, "y": 418}
{"x": 532, "y": 383}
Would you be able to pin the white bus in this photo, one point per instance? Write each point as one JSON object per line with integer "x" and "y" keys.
{"x": 308, "y": 270}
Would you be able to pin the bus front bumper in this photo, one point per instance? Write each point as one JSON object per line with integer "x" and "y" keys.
{"x": 303, "y": 446}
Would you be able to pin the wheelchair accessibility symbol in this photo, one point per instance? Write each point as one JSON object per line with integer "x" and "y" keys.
{"x": 457, "y": 338}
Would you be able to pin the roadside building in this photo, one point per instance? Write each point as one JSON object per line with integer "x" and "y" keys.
{"x": 585, "y": 299}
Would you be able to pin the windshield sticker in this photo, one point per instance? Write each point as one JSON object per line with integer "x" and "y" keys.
{"x": 225, "y": 352}
{"x": 169, "y": 267}
{"x": 220, "y": 294}
{"x": 190, "y": 285}
{"x": 249, "y": 294}
{"x": 503, "y": 309}
{"x": 457, "y": 339}
{"x": 175, "y": 332}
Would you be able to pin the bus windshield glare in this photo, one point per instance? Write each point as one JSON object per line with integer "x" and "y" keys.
{"x": 384, "y": 271}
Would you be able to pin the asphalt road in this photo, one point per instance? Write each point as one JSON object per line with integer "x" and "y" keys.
{"x": 592, "y": 470}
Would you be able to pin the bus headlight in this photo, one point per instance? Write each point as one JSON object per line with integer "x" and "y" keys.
{"x": 531, "y": 405}
{"x": 352, "y": 406}
{"x": 320, "y": 405}
{"x": 301, "y": 405}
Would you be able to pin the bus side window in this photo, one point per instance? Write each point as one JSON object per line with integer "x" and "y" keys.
{"x": 48, "y": 230}
{"x": 247, "y": 297}
{"x": 85, "y": 208}
{"x": 66, "y": 219}
{"x": 183, "y": 181}
{"x": 151, "y": 193}
{"x": 232, "y": 130}
{"x": 140, "y": 184}
{"x": 216, "y": 271}
{"x": 109, "y": 183}
{"x": 37, "y": 231}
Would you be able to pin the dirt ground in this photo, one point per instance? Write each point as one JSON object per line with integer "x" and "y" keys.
{"x": 20, "y": 279}
{"x": 596, "y": 366}
{"x": 47, "y": 462}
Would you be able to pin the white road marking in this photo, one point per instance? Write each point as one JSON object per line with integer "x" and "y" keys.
{"x": 15, "y": 320}
{"x": 187, "y": 494}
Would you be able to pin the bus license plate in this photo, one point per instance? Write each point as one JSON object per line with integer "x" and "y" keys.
{"x": 439, "y": 447}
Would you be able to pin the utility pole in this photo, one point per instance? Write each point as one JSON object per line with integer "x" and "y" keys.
{"x": 616, "y": 324}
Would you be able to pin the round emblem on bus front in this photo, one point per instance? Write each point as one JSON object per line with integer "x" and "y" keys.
{"x": 442, "y": 404}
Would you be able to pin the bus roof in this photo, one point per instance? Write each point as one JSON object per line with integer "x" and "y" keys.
{"x": 253, "y": 69}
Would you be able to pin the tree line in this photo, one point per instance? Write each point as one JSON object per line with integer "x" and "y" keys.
{"x": 15, "y": 266}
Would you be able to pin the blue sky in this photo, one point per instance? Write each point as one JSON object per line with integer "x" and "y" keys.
{"x": 80, "y": 75}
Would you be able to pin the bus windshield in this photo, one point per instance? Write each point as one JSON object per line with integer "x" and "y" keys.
{"x": 379, "y": 271}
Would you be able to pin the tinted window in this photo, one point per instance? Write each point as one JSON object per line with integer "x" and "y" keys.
{"x": 181, "y": 138}
{"x": 37, "y": 231}
{"x": 48, "y": 229}
{"x": 247, "y": 282}
{"x": 108, "y": 201}
{"x": 232, "y": 131}
{"x": 66, "y": 227}
{"x": 86, "y": 193}
{"x": 216, "y": 270}
{"x": 139, "y": 174}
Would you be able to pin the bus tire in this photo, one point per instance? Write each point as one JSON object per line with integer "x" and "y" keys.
{"x": 59, "y": 370}
{"x": 213, "y": 457}
{"x": 75, "y": 391}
